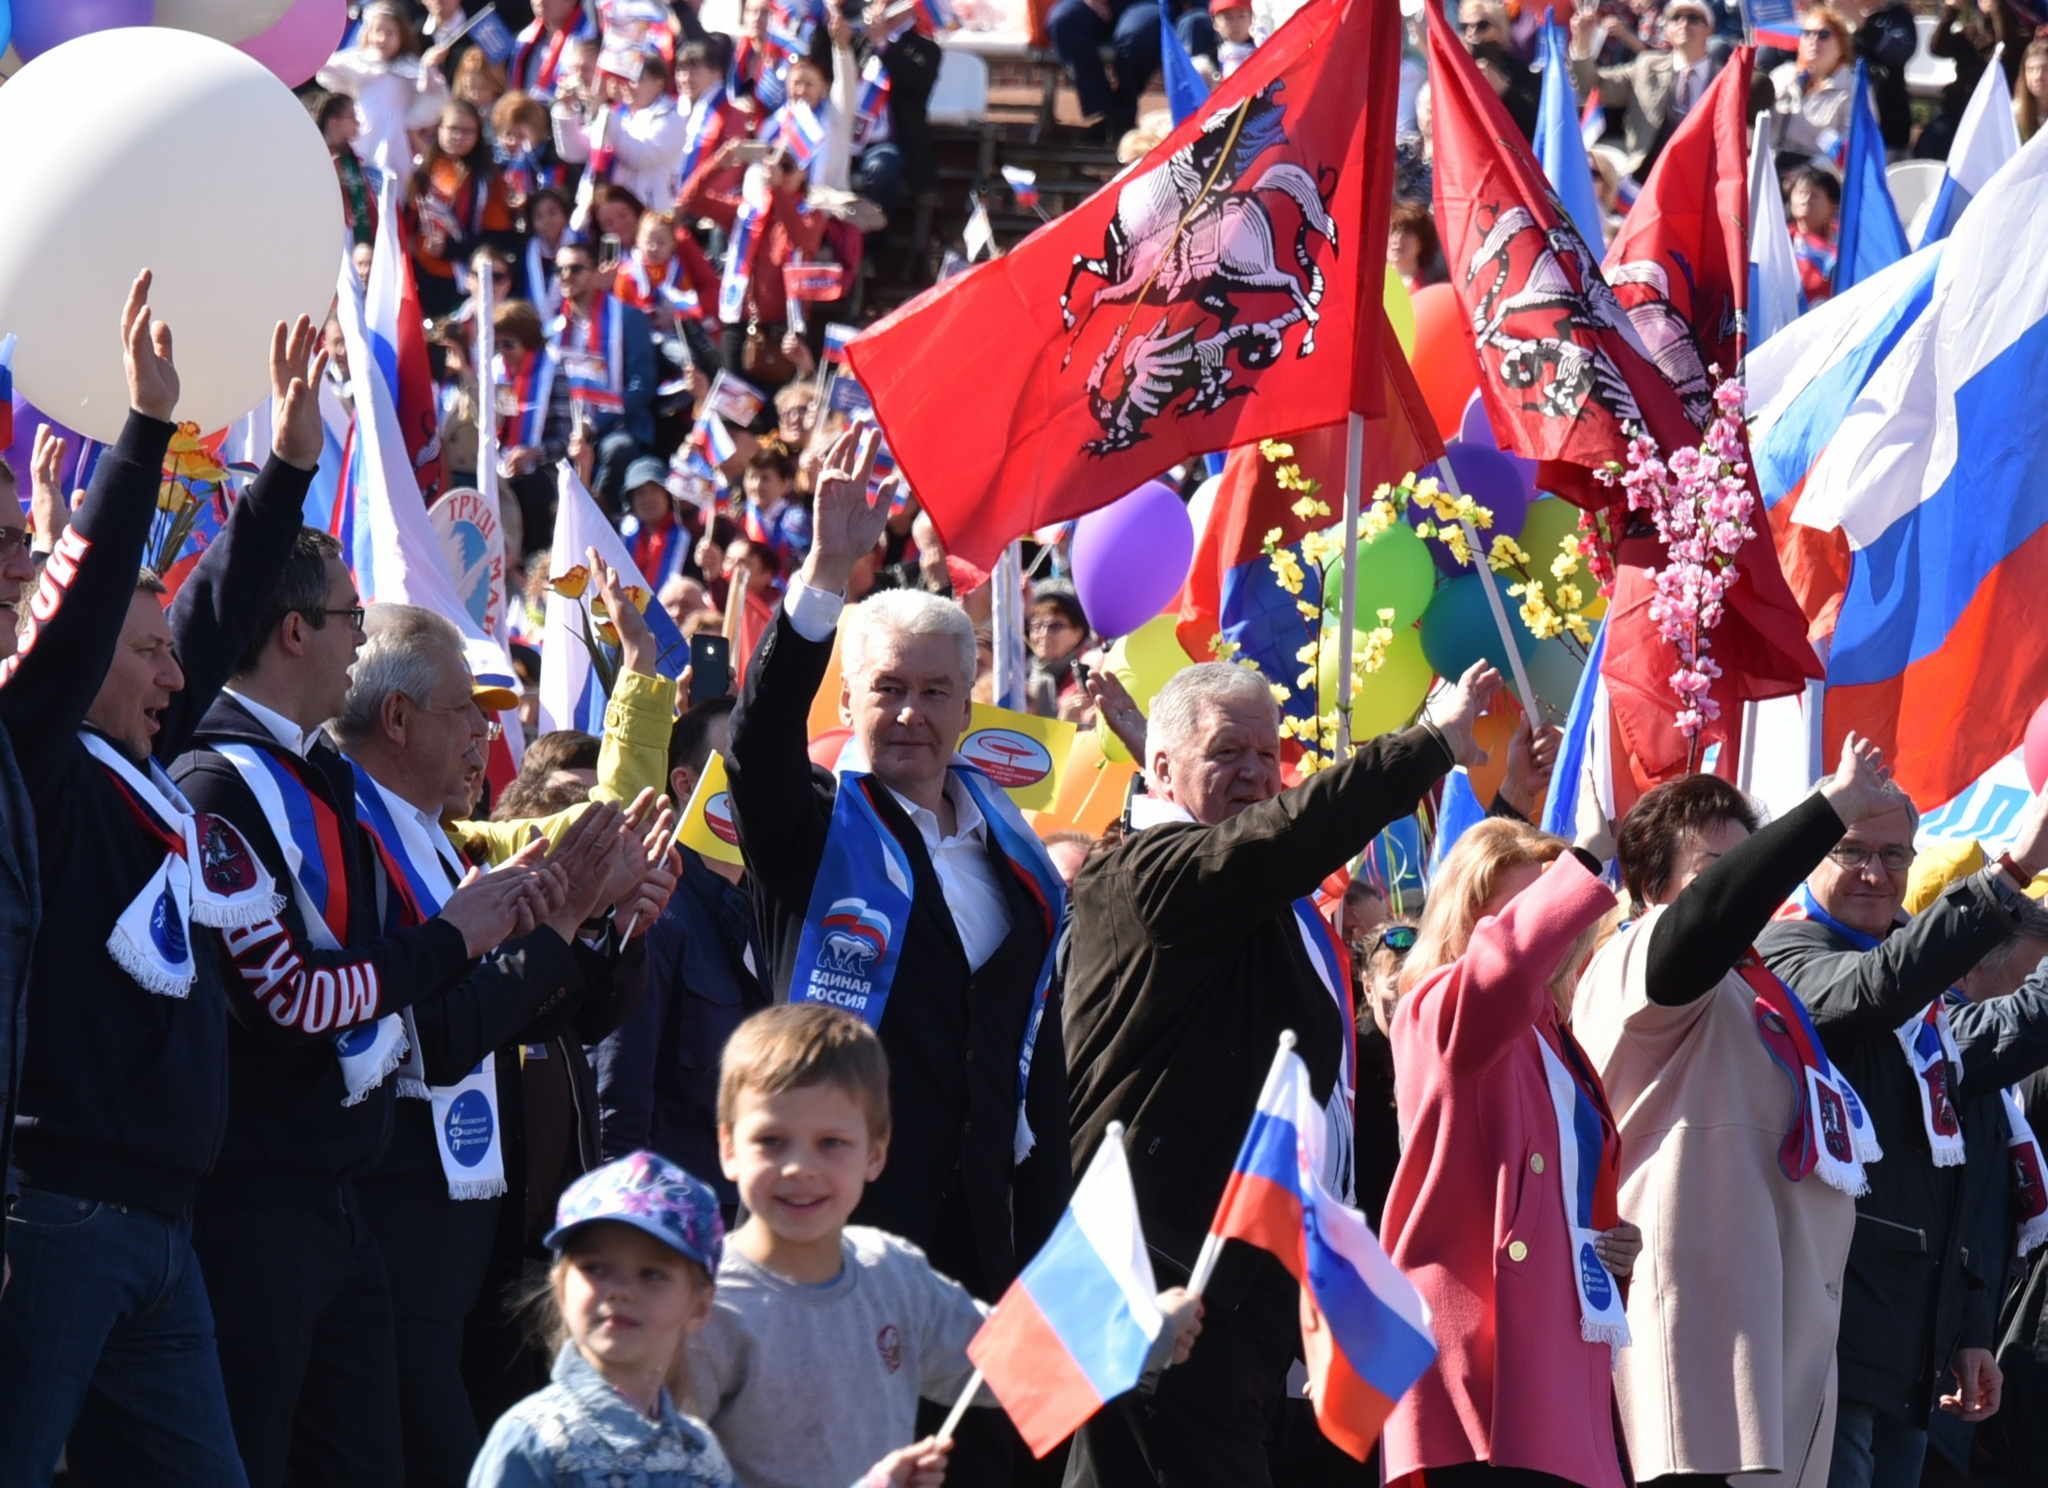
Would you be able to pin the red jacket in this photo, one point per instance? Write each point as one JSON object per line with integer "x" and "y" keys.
{"x": 709, "y": 186}
{"x": 1476, "y": 1216}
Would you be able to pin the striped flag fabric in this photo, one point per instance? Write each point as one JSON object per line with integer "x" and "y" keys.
{"x": 1073, "y": 1331}
{"x": 1869, "y": 236}
{"x": 398, "y": 337}
{"x": 1985, "y": 139}
{"x": 1365, "y": 1331}
{"x": 1023, "y": 186}
{"x": 836, "y": 338}
{"x": 871, "y": 104}
{"x": 1775, "y": 298}
{"x": 1560, "y": 140}
{"x": 7, "y": 394}
{"x": 801, "y": 132}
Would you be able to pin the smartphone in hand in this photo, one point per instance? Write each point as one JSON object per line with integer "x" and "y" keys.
{"x": 710, "y": 667}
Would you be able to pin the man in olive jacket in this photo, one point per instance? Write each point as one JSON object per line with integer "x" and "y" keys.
{"x": 1193, "y": 949}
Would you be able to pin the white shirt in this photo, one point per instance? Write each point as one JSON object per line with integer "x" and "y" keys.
{"x": 1689, "y": 86}
{"x": 299, "y": 741}
{"x": 974, "y": 896}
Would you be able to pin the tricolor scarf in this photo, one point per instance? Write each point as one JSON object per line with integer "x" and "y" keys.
{"x": 208, "y": 877}
{"x": 423, "y": 870}
{"x": 309, "y": 835}
{"x": 1340, "y": 1125}
{"x": 523, "y": 401}
{"x": 702, "y": 112}
{"x": 542, "y": 287}
{"x": 1589, "y": 1157}
{"x": 668, "y": 293}
{"x": 1831, "y": 1133}
{"x": 534, "y": 66}
{"x": 856, "y": 921}
{"x": 2029, "y": 1196}
{"x": 747, "y": 226}
{"x": 591, "y": 349}
{"x": 1924, "y": 1039}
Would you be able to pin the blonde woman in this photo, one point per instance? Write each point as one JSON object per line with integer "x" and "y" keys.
{"x": 1502, "y": 1211}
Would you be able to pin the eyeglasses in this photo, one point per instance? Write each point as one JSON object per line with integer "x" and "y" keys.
{"x": 1049, "y": 622}
{"x": 492, "y": 728}
{"x": 1686, "y": 18}
{"x": 356, "y": 615}
{"x": 1855, "y": 857}
{"x": 1818, "y": 33}
{"x": 1400, "y": 939}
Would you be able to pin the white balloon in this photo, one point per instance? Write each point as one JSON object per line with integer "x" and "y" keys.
{"x": 224, "y": 20}
{"x": 146, "y": 148}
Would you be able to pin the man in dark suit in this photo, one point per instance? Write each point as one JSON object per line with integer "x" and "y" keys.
{"x": 969, "y": 942}
{"x": 1654, "y": 90}
{"x": 20, "y": 895}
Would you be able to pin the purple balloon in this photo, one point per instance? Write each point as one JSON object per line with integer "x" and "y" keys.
{"x": 21, "y": 453}
{"x": 42, "y": 24}
{"x": 1477, "y": 428}
{"x": 1131, "y": 557}
{"x": 1494, "y": 481}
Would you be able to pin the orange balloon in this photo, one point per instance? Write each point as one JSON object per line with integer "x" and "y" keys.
{"x": 1445, "y": 361}
{"x": 1493, "y": 731}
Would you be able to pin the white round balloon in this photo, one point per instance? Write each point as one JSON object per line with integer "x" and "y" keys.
{"x": 147, "y": 148}
{"x": 223, "y": 20}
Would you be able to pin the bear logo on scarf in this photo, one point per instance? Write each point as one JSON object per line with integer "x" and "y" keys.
{"x": 855, "y": 938}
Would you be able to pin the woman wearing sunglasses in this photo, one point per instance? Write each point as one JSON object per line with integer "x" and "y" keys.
{"x": 1704, "y": 1053}
{"x": 1815, "y": 89}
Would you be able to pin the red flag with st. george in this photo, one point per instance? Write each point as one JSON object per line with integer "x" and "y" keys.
{"x": 1226, "y": 289}
{"x": 1561, "y": 368}
{"x": 1680, "y": 264}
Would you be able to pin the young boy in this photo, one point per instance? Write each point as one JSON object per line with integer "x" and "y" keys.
{"x": 1234, "y": 39}
{"x": 824, "y": 1336}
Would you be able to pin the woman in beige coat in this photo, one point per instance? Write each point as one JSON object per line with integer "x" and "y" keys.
{"x": 1741, "y": 1147}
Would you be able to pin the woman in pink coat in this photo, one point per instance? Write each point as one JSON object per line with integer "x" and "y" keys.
{"x": 1502, "y": 1211}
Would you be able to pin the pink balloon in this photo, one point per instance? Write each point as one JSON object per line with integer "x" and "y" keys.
{"x": 302, "y": 38}
{"x": 2034, "y": 752}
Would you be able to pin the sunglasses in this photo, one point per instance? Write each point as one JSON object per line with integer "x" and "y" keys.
{"x": 1819, "y": 33}
{"x": 1400, "y": 939}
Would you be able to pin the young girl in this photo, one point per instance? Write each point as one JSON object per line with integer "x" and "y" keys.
{"x": 456, "y": 203}
{"x": 636, "y": 1243}
{"x": 1813, "y": 197}
{"x": 393, "y": 93}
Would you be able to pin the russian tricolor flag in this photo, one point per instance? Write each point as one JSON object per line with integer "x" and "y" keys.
{"x": 7, "y": 391}
{"x": 837, "y": 337}
{"x": 1023, "y": 186}
{"x": 802, "y": 132}
{"x": 1365, "y": 1332}
{"x": 1073, "y": 1331}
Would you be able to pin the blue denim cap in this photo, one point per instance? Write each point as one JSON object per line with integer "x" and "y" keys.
{"x": 652, "y": 1194}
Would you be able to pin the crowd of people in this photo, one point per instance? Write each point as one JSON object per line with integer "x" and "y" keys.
{"x": 368, "y": 1125}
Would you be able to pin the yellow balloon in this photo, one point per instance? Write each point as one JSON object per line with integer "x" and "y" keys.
{"x": 1400, "y": 311}
{"x": 1386, "y": 698}
{"x": 1144, "y": 661}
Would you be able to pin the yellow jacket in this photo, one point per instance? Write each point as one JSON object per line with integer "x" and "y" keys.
{"x": 632, "y": 757}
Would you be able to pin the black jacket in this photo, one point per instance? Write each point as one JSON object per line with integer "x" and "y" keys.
{"x": 285, "y": 1083}
{"x": 1188, "y": 964}
{"x": 952, "y": 1035}
{"x": 21, "y": 905}
{"x": 124, "y": 1096}
{"x": 1908, "y": 1302}
{"x": 657, "y": 1073}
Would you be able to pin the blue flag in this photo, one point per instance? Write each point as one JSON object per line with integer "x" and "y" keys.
{"x": 1185, "y": 90}
{"x": 1871, "y": 236}
{"x": 1561, "y": 143}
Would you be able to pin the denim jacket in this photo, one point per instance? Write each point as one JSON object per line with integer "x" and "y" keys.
{"x": 580, "y": 1431}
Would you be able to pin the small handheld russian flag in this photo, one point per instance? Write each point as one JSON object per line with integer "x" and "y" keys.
{"x": 1023, "y": 186}
{"x": 7, "y": 391}
{"x": 1073, "y": 1331}
{"x": 837, "y": 338}
{"x": 813, "y": 281}
{"x": 937, "y": 16}
{"x": 802, "y": 132}
{"x": 1365, "y": 1332}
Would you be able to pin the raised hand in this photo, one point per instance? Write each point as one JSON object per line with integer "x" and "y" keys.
{"x": 846, "y": 522}
{"x": 146, "y": 349}
{"x": 1532, "y": 755}
{"x": 49, "y": 513}
{"x": 1115, "y": 710}
{"x": 296, "y": 372}
{"x": 919, "y": 1465}
{"x": 585, "y": 856}
{"x": 1861, "y": 786}
{"x": 636, "y": 642}
{"x": 643, "y": 905}
{"x": 1455, "y": 711}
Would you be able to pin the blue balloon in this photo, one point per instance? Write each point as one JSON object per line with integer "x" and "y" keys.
{"x": 6, "y": 23}
{"x": 42, "y": 24}
{"x": 1458, "y": 627}
{"x": 1554, "y": 670}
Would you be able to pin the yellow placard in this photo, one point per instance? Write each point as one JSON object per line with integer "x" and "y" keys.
{"x": 1021, "y": 753}
{"x": 707, "y": 826}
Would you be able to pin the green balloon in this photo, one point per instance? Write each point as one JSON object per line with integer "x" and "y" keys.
{"x": 1395, "y": 571}
{"x": 1548, "y": 522}
{"x": 1386, "y": 699}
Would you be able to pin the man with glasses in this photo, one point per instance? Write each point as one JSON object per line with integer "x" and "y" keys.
{"x": 1655, "y": 90}
{"x": 302, "y": 1314}
{"x": 1917, "y": 1318}
{"x": 604, "y": 349}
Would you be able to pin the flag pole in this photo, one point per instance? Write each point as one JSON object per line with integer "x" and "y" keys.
{"x": 1212, "y": 1243}
{"x": 486, "y": 382}
{"x": 1347, "y": 615}
{"x": 1523, "y": 690}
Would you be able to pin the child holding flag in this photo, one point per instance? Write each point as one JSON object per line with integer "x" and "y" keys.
{"x": 854, "y": 1317}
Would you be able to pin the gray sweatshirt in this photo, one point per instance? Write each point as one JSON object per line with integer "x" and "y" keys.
{"x": 809, "y": 1385}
